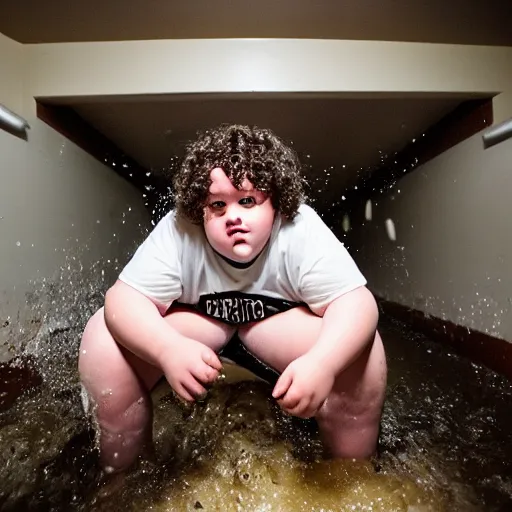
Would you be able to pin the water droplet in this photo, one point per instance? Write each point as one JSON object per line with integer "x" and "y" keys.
{"x": 368, "y": 210}
{"x": 346, "y": 223}
{"x": 18, "y": 243}
{"x": 390, "y": 229}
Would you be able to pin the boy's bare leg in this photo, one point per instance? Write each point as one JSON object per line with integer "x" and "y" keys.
{"x": 350, "y": 417}
{"x": 118, "y": 383}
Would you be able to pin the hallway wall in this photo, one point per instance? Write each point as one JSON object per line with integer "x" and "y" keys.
{"x": 13, "y": 67}
{"x": 453, "y": 251}
{"x": 61, "y": 212}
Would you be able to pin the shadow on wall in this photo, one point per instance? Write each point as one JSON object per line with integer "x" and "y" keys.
{"x": 64, "y": 217}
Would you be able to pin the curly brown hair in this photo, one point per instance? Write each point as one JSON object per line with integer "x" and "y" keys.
{"x": 242, "y": 152}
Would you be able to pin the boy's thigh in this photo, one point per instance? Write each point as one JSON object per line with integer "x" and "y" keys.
{"x": 113, "y": 377}
{"x": 282, "y": 338}
{"x": 106, "y": 365}
{"x": 210, "y": 332}
{"x": 191, "y": 324}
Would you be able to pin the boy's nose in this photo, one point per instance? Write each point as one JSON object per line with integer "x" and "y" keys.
{"x": 233, "y": 216}
{"x": 233, "y": 221}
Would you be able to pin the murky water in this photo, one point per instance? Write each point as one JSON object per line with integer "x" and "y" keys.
{"x": 446, "y": 444}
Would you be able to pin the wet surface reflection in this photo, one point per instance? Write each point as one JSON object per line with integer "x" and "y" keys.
{"x": 446, "y": 444}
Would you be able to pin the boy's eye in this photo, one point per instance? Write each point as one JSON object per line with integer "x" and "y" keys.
{"x": 217, "y": 205}
{"x": 247, "y": 201}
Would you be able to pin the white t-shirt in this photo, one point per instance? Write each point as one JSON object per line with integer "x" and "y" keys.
{"x": 302, "y": 263}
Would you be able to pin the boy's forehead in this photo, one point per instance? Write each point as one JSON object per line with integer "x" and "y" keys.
{"x": 221, "y": 184}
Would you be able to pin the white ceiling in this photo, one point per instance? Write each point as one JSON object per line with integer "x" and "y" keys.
{"x": 333, "y": 131}
{"x": 436, "y": 21}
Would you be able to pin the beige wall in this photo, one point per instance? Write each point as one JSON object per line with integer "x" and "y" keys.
{"x": 453, "y": 250}
{"x": 11, "y": 71}
{"x": 267, "y": 65}
{"x": 61, "y": 211}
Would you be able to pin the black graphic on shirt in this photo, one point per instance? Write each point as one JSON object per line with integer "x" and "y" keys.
{"x": 237, "y": 308}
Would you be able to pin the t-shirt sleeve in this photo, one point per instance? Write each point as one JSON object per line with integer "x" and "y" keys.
{"x": 155, "y": 268}
{"x": 325, "y": 269}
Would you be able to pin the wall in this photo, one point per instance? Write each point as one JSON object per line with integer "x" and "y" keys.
{"x": 453, "y": 250}
{"x": 64, "y": 217}
{"x": 267, "y": 65}
{"x": 11, "y": 60}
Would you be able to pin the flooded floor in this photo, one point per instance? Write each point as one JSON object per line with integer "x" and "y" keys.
{"x": 446, "y": 445}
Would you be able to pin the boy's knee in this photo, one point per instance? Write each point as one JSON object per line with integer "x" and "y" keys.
{"x": 346, "y": 407}
{"x": 332, "y": 418}
{"x": 118, "y": 413}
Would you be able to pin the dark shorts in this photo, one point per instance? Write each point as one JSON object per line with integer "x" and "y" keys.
{"x": 237, "y": 308}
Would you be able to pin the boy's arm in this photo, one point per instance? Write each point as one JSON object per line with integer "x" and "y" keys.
{"x": 349, "y": 324}
{"x": 334, "y": 288}
{"x": 136, "y": 322}
{"x": 330, "y": 282}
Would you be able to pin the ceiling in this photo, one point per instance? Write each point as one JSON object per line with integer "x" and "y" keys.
{"x": 347, "y": 134}
{"x": 435, "y": 21}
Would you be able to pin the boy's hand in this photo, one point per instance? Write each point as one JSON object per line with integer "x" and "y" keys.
{"x": 187, "y": 364}
{"x": 303, "y": 386}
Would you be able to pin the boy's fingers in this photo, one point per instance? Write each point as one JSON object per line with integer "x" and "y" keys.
{"x": 211, "y": 374}
{"x": 312, "y": 408}
{"x": 316, "y": 407}
{"x": 194, "y": 388}
{"x": 282, "y": 385}
{"x": 299, "y": 410}
{"x": 211, "y": 359}
{"x": 184, "y": 394}
{"x": 205, "y": 374}
{"x": 290, "y": 403}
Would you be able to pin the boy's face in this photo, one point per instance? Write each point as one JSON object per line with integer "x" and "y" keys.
{"x": 237, "y": 223}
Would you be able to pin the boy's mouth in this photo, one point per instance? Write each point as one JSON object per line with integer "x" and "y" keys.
{"x": 236, "y": 231}
{"x": 238, "y": 236}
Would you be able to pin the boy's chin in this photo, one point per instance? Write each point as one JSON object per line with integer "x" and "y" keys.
{"x": 242, "y": 253}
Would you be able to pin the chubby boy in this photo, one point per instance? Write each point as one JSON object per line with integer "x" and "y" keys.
{"x": 240, "y": 252}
